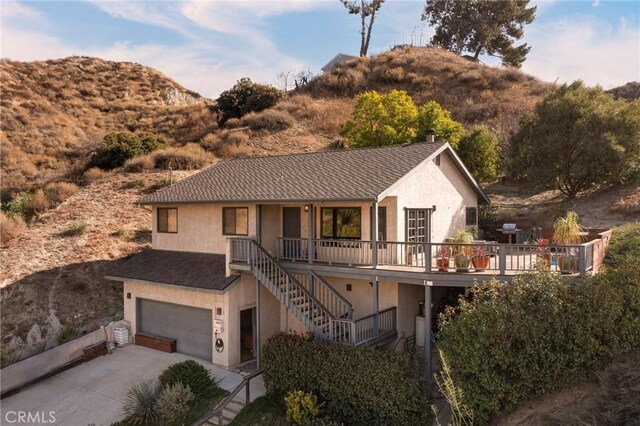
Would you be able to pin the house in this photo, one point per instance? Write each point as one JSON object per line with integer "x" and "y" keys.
{"x": 346, "y": 244}
{"x": 340, "y": 58}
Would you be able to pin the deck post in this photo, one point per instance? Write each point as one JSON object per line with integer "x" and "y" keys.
{"x": 427, "y": 337}
{"x": 582, "y": 258}
{"x": 374, "y": 235}
{"x": 502, "y": 259}
{"x": 376, "y": 309}
{"x": 257, "y": 344}
{"x": 311, "y": 234}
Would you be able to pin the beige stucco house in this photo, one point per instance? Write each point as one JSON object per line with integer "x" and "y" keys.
{"x": 344, "y": 244}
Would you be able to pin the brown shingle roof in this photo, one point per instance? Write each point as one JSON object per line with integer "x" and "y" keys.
{"x": 353, "y": 174}
{"x": 199, "y": 270}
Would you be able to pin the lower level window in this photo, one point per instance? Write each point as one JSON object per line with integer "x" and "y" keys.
{"x": 343, "y": 222}
{"x": 168, "y": 220}
{"x": 235, "y": 221}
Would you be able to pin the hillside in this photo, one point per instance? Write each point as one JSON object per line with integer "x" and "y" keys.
{"x": 55, "y": 112}
{"x": 49, "y": 279}
{"x": 629, "y": 91}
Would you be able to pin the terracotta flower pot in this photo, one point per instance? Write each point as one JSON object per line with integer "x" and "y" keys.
{"x": 480, "y": 263}
{"x": 443, "y": 264}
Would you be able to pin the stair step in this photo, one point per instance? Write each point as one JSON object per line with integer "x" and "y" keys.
{"x": 237, "y": 402}
{"x": 231, "y": 410}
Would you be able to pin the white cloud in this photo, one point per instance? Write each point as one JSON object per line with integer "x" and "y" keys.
{"x": 586, "y": 49}
{"x": 160, "y": 14}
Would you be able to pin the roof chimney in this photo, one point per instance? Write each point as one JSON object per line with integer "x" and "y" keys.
{"x": 431, "y": 136}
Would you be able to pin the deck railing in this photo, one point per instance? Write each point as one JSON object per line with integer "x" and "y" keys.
{"x": 487, "y": 257}
{"x": 366, "y": 330}
{"x": 326, "y": 294}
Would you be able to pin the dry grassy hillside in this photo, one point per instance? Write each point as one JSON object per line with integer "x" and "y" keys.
{"x": 50, "y": 278}
{"x": 474, "y": 93}
{"x": 55, "y": 112}
{"x": 629, "y": 91}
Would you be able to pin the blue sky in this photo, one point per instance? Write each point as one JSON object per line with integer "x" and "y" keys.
{"x": 208, "y": 45}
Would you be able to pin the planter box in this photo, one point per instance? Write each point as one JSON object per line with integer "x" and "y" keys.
{"x": 94, "y": 351}
{"x": 158, "y": 343}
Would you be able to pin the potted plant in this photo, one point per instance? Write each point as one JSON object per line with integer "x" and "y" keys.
{"x": 567, "y": 231}
{"x": 442, "y": 258}
{"x": 544, "y": 251}
{"x": 480, "y": 259}
{"x": 462, "y": 258}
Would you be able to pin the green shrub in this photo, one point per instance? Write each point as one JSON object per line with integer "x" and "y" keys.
{"x": 141, "y": 405}
{"x": 174, "y": 402}
{"x": 510, "y": 342}
{"x": 189, "y": 373}
{"x": 624, "y": 246}
{"x": 302, "y": 407}
{"x": 67, "y": 333}
{"x": 17, "y": 206}
{"x": 244, "y": 97}
{"x": 344, "y": 379}
{"x": 116, "y": 148}
{"x": 78, "y": 228}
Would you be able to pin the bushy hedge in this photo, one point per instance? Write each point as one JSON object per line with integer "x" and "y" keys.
{"x": 244, "y": 97}
{"x": 358, "y": 386}
{"x": 510, "y": 342}
{"x": 116, "y": 148}
{"x": 624, "y": 246}
{"x": 189, "y": 373}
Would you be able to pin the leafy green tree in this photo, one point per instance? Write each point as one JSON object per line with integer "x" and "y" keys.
{"x": 481, "y": 27}
{"x": 431, "y": 116}
{"x": 366, "y": 10}
{"x": 118, "y": 147}
{"x": 244, "y": 97}
{"x": 479, "y": 151}
{"x": 381, "y": 120}
{"x": 576, "y": 138}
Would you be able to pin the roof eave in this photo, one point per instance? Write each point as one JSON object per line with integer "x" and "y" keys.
{"x": 261, "y": 201}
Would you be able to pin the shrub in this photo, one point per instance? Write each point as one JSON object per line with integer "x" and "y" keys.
{"x": 36, "y": 204}
{"x": 68, "y": 332}
{"x": 17, "y": 206}
{"x": 244, "y": 97}
{"x": 141, "y": 406}
{"x": 116, "y": 148}
{"x": 94, "y": 174}
{"x": 268, "y": 120}
{"x": 189, "y": 373}
{"x": 624, "y": 246}
{"x": 10, "y": 227}
{"x": 139, "y": 164}
{"x": 57, "y": 192}
{"x": 510, "y": 342}
{"x": 189, "y": 157}
{"x": 174, "y": 402}
{"x": 228, "y": 144}
{"x": 479, "y": 151}
{"x": 78, "y": 228}
{"x": 343, "y": 378}
{"x": 302, "y": 407}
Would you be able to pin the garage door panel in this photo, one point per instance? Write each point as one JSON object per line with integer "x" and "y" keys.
{"x": 190, "y": 327}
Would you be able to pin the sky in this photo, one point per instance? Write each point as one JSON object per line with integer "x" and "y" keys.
{"x": 206, "y": 46}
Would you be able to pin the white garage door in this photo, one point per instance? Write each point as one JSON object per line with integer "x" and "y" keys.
{"x": 191, "y": 327}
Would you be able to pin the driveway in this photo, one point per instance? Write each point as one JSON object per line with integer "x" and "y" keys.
{"x": 94, "y": 392}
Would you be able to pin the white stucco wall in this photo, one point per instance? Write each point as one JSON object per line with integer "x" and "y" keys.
{"x": 199, "y": 229}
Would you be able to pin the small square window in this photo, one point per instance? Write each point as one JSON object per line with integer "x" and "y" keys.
{"x": 235, "y": 221}
{"x": 168, "y": 220}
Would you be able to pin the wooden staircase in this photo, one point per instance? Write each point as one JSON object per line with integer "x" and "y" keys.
{"x": 301, "y": 295}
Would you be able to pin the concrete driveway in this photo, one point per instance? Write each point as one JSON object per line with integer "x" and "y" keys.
{"x": 93, "y": 392}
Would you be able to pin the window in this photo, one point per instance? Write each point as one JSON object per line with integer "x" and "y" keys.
{"x": 344, "y": 222}
{"x": 417, "y": 226}
{"x": 437, "y": 160}
{"x": 235, "y": 221}
{"x": 168, "y": 220}
{"x": 472, "y": 216}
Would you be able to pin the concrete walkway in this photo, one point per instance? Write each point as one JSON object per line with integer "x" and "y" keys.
{"x": 94, "y": 392}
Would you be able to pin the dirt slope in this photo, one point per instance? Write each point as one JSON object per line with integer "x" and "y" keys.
{"x": 49, "y": 279}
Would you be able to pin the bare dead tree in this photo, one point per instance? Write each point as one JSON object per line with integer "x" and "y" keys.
{"x": 367, "y": 11}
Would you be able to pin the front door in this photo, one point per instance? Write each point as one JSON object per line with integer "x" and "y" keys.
{"x": 291, "y": 232}
{"x": 247, "y": 335}
{"x": 418, "y": 230}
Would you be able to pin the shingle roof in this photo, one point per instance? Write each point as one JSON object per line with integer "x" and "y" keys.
{"x": 352, "y": 174}
{"x": 198, "y": 270}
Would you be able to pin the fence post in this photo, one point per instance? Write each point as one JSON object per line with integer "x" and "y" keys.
{"x": 502, "y": 259}
{"x": 428, "y": 259}
{"x": 582, "y": 259}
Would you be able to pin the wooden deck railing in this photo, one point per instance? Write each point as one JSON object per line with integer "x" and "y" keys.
{"x": 487, "y": 257}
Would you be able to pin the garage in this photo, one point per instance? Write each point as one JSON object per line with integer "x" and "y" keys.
{"x": 190, "y": 327}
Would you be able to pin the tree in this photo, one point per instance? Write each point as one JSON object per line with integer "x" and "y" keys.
{"x": 381, "y": 120}
{"x": 431, "y": 116}
{"x": 118, "y": 147}
{"x": 245, "y": 96}
{"x": 481, "y": 27}
{"x": 576, "y": 138}
{"x": 478, "y": 150}
{"x": 366, "y": 9}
